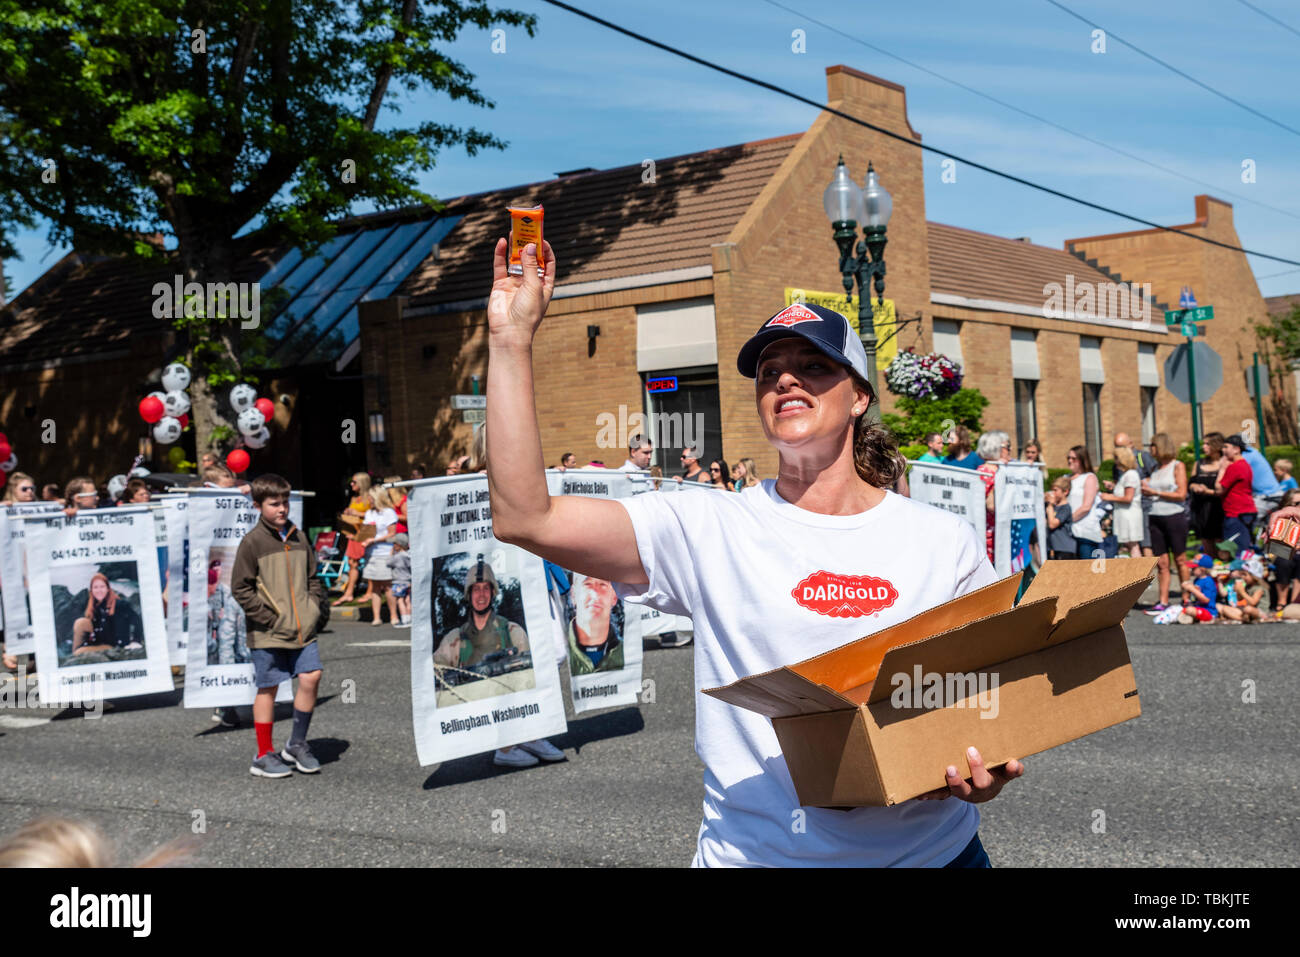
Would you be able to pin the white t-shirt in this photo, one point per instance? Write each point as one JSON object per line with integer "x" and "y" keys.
{"x": 382, "y": 519}
{"x": 732, "y": 563}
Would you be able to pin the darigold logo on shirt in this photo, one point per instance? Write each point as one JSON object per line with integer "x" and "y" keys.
{"x": 844, "y": 596}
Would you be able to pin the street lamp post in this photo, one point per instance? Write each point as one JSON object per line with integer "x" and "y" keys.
{"x": 846, "y": 206}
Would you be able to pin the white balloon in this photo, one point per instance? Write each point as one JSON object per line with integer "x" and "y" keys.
{"x": 167, "y": 430}
{"x": 160, "y": 396}
{"x": 140, "y": 472}
{"x": 176, "y": 403}
{"x": 258, "y": 439}
{"x": 250, "y": 422}
{"x": 9, "y": 464}
{"x": 176, "y": 377}
{"x": 116, "y": 485}
{"x": 242, "y": 397}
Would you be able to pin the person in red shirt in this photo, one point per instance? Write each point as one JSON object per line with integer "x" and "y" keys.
{"x": 1233, "y": 486}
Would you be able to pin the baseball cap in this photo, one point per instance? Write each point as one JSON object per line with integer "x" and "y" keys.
{"x": 401, "y": 538}
{"x": 1205, "y": 561}
{"x": 827, "y": 330}
{"x": 1238, "y": 440}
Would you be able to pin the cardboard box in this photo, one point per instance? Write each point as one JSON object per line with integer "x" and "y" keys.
{"x": 1055, "y": 667}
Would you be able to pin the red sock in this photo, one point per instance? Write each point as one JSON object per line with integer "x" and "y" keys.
{"x": 263, "y": 737}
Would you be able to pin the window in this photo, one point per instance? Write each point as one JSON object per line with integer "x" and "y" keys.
{"x": 690, "y": 414}
{"x": 1026, "y": 413}
{"x": 1092, "y": 421}
{"x": 1148, "y": 398}
{"x": 947, "y": 339}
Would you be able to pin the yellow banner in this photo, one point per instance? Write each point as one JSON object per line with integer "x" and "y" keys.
{"x": 883, "y": 317}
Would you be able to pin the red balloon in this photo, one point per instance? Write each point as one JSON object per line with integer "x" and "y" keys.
{"x": 237, "y": 460}
{"x": 5, "y": 451}
{"x": 265, "y": 407}
{"x": 151, "y": 409}
{"x": 185, "y": 420}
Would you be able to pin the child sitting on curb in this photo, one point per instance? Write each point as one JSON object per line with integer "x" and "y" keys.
{"x": 1199, "y": 593}
{"x": 1244, "y": 591}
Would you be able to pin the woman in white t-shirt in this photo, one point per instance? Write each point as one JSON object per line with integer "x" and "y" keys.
{"x": 733, "y": 563}
{"x": 383, "y": 516}
{"x": 1085, "y": 504}
{"x": 1127, "y": 501}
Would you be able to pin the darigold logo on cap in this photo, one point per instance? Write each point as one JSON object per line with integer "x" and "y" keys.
{"x": 844, "y": 596}
{"x": 791, "y": 315}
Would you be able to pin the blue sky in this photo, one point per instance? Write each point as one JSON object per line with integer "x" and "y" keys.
{"x": 579, "y": 95}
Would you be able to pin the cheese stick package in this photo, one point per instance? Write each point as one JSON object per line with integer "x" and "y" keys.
{"x": 1283, "y": 537}
{"x": 525, "y": 228}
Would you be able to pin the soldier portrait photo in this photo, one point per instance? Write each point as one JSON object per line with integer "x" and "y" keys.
{"x": 227, "y": 631}
{"x": 595, "y": 630}
{"x": 481, "y": 647}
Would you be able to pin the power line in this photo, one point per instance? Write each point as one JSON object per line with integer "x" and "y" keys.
{"x": 1269, "y": 16}
{"x": 1173, "y": 69}
{"x": 907, "y": 139}
{"x": 1032, "y": 116}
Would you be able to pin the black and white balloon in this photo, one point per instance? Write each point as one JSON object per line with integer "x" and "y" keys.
{"x": 258, "y": 439}
{"x": 176, "y": 377}
{"x": 9, "y": 464}
{"x": 167, "y": 430}
{"x": 250, "y": 422}
{"x": 116, "y": 486}
{"x": 176, "y": 403}
{"x": 242, "y": 396}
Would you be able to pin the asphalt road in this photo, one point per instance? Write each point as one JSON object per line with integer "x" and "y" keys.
{"x": 1201, "y": 778}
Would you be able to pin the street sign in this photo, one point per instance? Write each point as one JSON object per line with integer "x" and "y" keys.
{"x": 469, "y": 402}
{"x": 1186, "y": 298}
{"x": 1209, "y": 372}
{"x": 1176, "y": 317}
{"x": 475, "y": 416}
{"x": 1190, "y": 330}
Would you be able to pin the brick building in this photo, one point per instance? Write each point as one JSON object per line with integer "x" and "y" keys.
{"x": 678, "y": 268}
{"x": 665, "y": 268}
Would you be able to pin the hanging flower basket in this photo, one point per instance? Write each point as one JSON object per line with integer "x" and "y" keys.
{"x": 928, "y": 376}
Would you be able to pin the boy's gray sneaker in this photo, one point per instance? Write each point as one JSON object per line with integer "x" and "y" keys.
{"x": 269, "y": 765}
{"x": 300, "y": 756}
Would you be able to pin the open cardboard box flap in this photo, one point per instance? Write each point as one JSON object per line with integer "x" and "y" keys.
{"x": 1066, "y": 600}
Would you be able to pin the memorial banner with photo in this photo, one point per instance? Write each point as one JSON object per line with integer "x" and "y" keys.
{"x": 218, "y": 667}
{"x": 950, "y": 487}
{"x": 481, "y": 615}
{"x": 96, "y": 605}
{"x": 602, "y": 633}
{"x": 171, "y": 529}
{"x": 19, "y": 635}
{"x": 1018, "y": 510}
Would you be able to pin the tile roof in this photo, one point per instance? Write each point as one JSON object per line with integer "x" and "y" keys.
{"x": 1281, "y": 305}
{"x": 86, "y": 306}
{"x": 609, "y": 223}
{"x": 977, "y": 265}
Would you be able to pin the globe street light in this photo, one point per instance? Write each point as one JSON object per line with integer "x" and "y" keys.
{"x": 846, "y": 206}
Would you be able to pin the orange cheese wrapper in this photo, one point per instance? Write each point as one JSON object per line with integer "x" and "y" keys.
{"x": 525, "y": 228}
{"x": 1283, "y": 537}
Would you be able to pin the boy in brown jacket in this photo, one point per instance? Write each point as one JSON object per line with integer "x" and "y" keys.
{"x": 274, "y": 580}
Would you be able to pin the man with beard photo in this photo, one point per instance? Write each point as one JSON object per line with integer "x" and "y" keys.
{"x": 593, "y": 644}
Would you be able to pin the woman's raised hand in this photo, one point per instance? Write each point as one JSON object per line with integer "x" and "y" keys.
{"x": 517, "y": 303}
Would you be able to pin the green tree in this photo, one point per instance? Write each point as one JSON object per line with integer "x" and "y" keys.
{"x": 159, "y": 129}
{"x": 1277, "y": 339}
{"x": 920, "y": 416}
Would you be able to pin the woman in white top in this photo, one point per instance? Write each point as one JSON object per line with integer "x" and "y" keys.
{"x": 1127, "y": 500}
{"x": 383, "y": 516}
{"x": 1085, "y": 506}
{"x": 1168, "y": 518}
{"x": 733, "y": 564}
